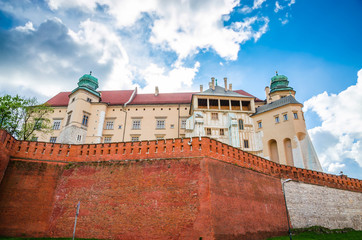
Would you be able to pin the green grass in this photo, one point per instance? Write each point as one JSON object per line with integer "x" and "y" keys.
{"x": 323, "y": 234}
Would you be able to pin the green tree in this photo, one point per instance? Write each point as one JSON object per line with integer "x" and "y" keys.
{"x": 22, "y": 118}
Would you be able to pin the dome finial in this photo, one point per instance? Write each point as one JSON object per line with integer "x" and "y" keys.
{"x": 276, "y": 73}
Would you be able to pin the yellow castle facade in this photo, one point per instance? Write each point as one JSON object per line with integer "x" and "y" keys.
{"x": 273, "y": 128}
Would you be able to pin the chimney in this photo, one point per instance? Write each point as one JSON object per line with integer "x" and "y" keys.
{"x": 226, "y": 84}
{"x": 201, "y": 88}
{"x": 267, "y": 91}
{"x": 156, "y": 91}
{"x": 230, "y": 87}
{"x": 213, "y": 83}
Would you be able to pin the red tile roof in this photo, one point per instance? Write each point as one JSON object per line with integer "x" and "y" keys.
{"x": 61, "y": 99}
{"x": 242, "y": 92}
{"x": 120, "y": 97}
{"x": 117, "y": 97}
{"x": 162, "y": 98}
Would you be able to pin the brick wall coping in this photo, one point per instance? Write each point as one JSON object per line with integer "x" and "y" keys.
{"x": 168, "y": 148}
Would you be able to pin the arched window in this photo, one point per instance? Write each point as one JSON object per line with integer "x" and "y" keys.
{"x": 273, "y": 150}
{"x": 288, "y": 152}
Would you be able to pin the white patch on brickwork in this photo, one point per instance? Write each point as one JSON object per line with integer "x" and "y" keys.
{"x": 313, "y": 205}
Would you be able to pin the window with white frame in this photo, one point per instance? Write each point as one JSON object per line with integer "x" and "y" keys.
{"x": 277, "y": 119}
{"x": 295, "y": 114}
{"x": 107, "y": 139}
{"x": 285, "y": 117}
{"x": 136, "y": 124}
{"x": 214, "y": 116}
{"x": 135, "y": 138}
{"x": 222, "y": 133}
{"x": 53, "y": 139}
{"x": 208, "y": 131}
{"x": 85, "y": 120}
{"x": 246, "y": 143}
{"x": 160, "y": 124}
{"x": 56, "y": 124}
{"x": 109, "y": 125}
{"x": 183, "y": 123}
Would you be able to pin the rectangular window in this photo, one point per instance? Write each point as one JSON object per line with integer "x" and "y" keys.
{"x": 136, "y": 124}
{"x": 241, "y": 124}
{"x": 172, "y": 126}
{"x": 214, "y": 116}
{"x": 160, "y": 137}
{"x": 109, "y": 125}
{"x": 85, "y": 120}
{"x": 285, "y": 117}
{"x": 79, "y": 138}
{"x": 160, "y": 124}
{"x": 260, "y": 125}
{"x": 295, "y": 115}
{"x": 135, "y": 139}
{"x": 246, "y": 143}
{"x": 89, "y": 100}
{"x": 208, "y": 131}
{"x": 107, "y": 139}
{"x": 222, "y": 132}
{"x": 183, "y": 123}
{"x": 68, "y": 119}
{"x": 276, "y": 119}
{"x": 53, "y": 139}
{"x": 38, "y": 123}
{"x": 56, "y": 124}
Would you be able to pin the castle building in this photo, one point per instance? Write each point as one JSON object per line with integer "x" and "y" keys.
{"x": 274, "y": 129}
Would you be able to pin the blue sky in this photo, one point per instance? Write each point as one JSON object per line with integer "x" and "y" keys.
{"x": 45, "y": 46}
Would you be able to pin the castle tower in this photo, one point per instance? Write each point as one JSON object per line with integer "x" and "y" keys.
{"x": 282, "y": 126}
{"x": 82, "y": 100}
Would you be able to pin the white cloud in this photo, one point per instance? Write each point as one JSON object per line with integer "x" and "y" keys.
{"x": 198, "y": 26}
{"x": 178, "y": 79}
{"x": 291, "y": 2}
{"x": 277, "y": 7}
{"x": 340, "y": 134}
{"x": 28, "y": 27}
{"x": 258, "y": 3}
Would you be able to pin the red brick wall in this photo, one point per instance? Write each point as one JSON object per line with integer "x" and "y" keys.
{"x": 145, "y": 190}
{"x": 5, "y": 140}
{"x": 245, "y": 204}
{"x": 26, "y": 198}
{"x": 163, "y": 199}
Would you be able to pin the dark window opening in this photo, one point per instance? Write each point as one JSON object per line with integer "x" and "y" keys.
{"x": 214, "y": 104}
{"x": 246, "y": 105}
{"x": 202, "y": 103}
{"x": 241, "y": 124}
{"x": 224, "y": 104}
{"x": 246, "y": 143}
{"x": 235, "y": 105}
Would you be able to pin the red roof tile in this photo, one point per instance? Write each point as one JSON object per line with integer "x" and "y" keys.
{"x": 242, "y": 92}
{"x": 61, "y": 99}
{"x": 162, "y": 98}
{"x": 117, "y": 97}
{"x": 120, "y": 97}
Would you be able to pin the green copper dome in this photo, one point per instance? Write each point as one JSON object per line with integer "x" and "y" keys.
{"x": 279, "y": 83}
{"x": 88, "y": 83}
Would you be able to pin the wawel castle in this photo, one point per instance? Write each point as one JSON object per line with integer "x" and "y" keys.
{"x": 273, "y": 128}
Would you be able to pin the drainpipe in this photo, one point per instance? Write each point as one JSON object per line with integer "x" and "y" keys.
{"x": 124, "y": 110}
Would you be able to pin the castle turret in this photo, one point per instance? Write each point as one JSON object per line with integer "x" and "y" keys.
{"x": 281, "y": 124}
{"x": 79, "y": 112}
{"x": 279, "y": 88}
